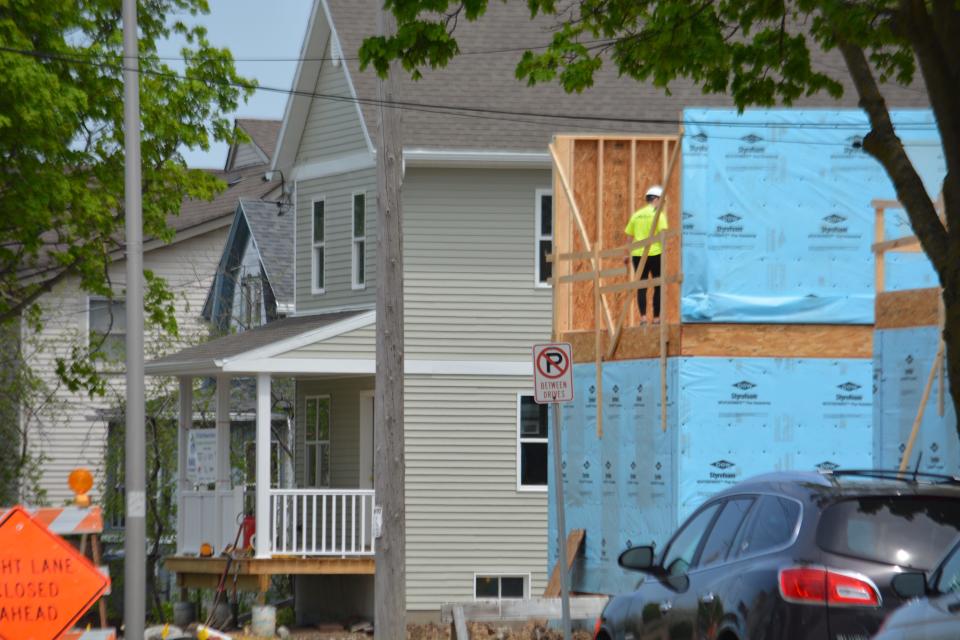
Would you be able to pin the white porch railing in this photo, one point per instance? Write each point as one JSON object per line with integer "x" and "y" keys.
{"x": 322, "y": 522}
{"x": 208, "y": 516}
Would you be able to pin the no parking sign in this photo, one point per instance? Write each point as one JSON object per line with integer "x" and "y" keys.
{"x": 552, "y": 373}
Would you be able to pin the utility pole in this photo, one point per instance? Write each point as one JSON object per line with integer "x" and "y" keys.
{"x": 135, "y": 542}
{"x": 390, "y": 589}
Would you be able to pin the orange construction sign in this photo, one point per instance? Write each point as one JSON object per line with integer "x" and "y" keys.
{"x": 45, "y": 584}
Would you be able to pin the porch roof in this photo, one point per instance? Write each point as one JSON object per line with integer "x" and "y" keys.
{"x": 255, "y": 351}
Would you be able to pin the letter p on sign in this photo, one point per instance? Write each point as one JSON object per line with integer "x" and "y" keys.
{"x": 552, "y": 373}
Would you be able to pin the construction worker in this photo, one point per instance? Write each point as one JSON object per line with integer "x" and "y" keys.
{"x": 640, "y": 227}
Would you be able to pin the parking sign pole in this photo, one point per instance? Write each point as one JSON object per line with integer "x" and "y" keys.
{"x": 561, "y": 524}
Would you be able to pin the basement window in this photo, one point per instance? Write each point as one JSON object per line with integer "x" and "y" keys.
{"x": 486, "y": 587}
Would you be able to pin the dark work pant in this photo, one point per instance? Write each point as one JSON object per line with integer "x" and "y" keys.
{"x": 650, "y": 270}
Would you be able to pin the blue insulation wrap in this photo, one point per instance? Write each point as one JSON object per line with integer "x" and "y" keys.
{"x": 744, "y": 417}
{"x": 777, "y": 215}
{"x": 618, "y": 487}
{"x": 902, "y": 362}
{"x": 726, "y": 420}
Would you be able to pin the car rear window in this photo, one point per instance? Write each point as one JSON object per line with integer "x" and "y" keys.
{"x": 910, "y": 531}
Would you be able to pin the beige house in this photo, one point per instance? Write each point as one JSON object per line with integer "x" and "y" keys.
{"x": 69, "y": 429}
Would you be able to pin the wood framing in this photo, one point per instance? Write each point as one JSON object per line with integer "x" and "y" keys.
{"x": 194, "y": 572}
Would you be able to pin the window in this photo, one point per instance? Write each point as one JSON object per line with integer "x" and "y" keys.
{"x": 251, "y": 301}
{"x": 108, "y": 328}
{"x": 531, "y": 444}
{"x": 544, "y": 234}
{"x": 718, "y": 543}
{"x": 499, "y": 587}
{"x": 771, "y": 525}
{"x": 317, "y": 423}
{"x": 359, "y": 241}
{"x": 682, "y": 549}
{"x": 318, "y": 246}
{"x": 910, "y": 531}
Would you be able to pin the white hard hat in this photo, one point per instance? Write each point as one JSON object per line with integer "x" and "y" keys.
{"x": 656, "y": 191}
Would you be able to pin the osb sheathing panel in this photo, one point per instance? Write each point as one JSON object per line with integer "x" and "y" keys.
{"x": 911, "y": 308}
{"x": 777, "y": 341}
{"x": 635, "y": 343}
{"x": 733, "y": 341}
{"x": 613, "y": 197}
{"x": 585, "y": 193}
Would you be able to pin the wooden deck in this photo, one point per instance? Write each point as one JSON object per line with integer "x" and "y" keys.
{"x": 253, "y": 574}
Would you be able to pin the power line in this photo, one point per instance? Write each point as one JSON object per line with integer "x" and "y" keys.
{"x": 505, "y": 115}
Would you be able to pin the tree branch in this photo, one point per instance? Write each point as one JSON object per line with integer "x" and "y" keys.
{"x": 884, "y": 145}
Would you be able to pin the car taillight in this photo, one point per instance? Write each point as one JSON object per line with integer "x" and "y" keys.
{"x": 596, "y": 627}
{"x": 819, "y": 585}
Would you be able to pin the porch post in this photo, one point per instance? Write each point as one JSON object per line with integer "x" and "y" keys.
{"x": 264, "y": 529}
{"x": 184, "y": 425}
{"x": 223, "y": 433}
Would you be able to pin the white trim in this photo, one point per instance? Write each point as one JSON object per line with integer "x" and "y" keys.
{"x": 538, "y": 283}
{"x": 346, "y": 73}
{"x": 363, "y": 366}
{"x": 522, "y": 488}
{"x": 447, "y": 158}
{"x": 357, "y": 286}
{"x": 296, "y": 211}
{"x": 499, "y": 575}
{"x": 343, "y": 163}
{"x": 344, "y": 366}
{"x": 314, "y": 245}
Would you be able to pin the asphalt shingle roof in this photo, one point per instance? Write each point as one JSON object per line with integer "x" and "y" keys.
{"x": 263, "y": 133}
{"x": 488, "y": 80}
{"x": 273, "y": 235}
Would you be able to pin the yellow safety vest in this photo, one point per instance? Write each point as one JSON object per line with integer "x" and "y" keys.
{"x": 640, "y": 225}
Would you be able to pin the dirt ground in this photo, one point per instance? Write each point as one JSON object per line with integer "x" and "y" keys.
{"x": 478, "y": 631}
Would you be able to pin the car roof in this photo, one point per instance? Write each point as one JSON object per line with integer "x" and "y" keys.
{"x": 841, "y": 484}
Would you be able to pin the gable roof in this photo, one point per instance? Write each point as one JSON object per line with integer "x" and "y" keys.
{"x": 487, "y": 81}
{"x": 263, "y": 133}
{"x": 273, "y": 237}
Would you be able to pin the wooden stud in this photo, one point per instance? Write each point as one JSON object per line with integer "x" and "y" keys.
{"x": 97, "y": 561}
{"x": 598, "y": 361}
{"x": 941, "y": 371}
{"x": 664, "y": 297}
{"x": 634, "y": 320}
{"x": 574, "y": 541}
{"x": 878, "y": 273}
{"x": 905, "y": 461}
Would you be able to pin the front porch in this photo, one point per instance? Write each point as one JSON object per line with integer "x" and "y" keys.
{"x": 318, "y": 518}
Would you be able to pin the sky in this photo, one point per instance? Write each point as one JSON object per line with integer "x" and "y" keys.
{"x": 253, "y": 29}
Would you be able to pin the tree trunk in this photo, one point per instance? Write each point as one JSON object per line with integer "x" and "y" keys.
{"x": 389, "y": 469}
{"x": 951, "y": 341}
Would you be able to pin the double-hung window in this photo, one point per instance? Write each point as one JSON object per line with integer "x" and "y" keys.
{"x": 317, "y": 449}
{"x": 544, "y": 236}
{"x": 531, "y": 444}
{"x": 359, "y": 241}
{"x": 318, "y": 232}
{"x": 108, "y": 328}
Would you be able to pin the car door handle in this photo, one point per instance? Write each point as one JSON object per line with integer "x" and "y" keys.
{"x": 707, "y": 598}
{"x": 666, "y": 606}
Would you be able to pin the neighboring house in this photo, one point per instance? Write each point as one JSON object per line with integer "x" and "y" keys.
{"x": 254, "y": 280}
{"x": 477, "y": 205}
{"x": 72, "y": 429}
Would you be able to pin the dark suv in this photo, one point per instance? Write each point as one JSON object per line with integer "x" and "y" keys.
{"x": 789, "y": 555}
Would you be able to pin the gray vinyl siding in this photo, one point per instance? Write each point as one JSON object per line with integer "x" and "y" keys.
{"x": 469, "y": 264}
{"x": 247, "y": 155}
{"x": 358, "y": 344}
{"x": 333, "y": 126}
{"x": 344, "y": 427}
{"x": 337, "y": 193}
{"x": 464, "y": 513}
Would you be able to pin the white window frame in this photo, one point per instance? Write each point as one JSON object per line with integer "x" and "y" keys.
{"x": 520, "y": 486}
{"x": 355, "y": 257}
{"x": 538, "y": 237}
{"x": 315, "y": 265}
{"x": 499, "y": 576}
{"x": 89, "y": 331}
{"x": 317, "y": 442}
